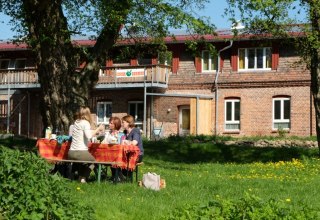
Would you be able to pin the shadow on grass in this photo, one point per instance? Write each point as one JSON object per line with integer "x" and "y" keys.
{"x": 188, "y": 152}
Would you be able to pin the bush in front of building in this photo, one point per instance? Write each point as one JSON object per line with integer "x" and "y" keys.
{"x": 28, "y": 191}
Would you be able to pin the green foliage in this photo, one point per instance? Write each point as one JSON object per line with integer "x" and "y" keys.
{"x": 281, "y": 132}
{"x": 27, "y": 191}
{"x": 248, "y": 207}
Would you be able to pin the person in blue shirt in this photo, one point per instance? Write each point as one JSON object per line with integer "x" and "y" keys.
{"x": 133, "y": 137}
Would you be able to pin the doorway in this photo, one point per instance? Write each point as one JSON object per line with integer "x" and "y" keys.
{"x": 184, "y": 120}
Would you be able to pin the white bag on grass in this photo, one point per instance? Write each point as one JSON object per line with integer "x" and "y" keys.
{"x": 151, "y": 181}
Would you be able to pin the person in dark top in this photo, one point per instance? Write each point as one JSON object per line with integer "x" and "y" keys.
{"x": 133, "y": 136}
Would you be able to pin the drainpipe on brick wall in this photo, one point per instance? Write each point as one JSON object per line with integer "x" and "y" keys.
{"x": 216, "y": 84}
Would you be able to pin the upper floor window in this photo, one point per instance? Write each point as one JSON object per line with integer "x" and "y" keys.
{"x": 232, "y": 114}
{"x": 20, "y": 64}
{"x": 13, "y": 64}
{"x": 4, "y": 64}
{"x": 104, "y": 112}
{"x": 209, "y": 62}
{"x": 281, "y": 113}
{"x": 255, "y": 58}
{"x": 135, "y": 108}
{"x": 145, "y": 59}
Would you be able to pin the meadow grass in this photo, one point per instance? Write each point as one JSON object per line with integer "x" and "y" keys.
{"x": 198, "y": 172}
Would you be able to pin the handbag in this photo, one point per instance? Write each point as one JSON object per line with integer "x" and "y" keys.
{"x": 151, "y": 181}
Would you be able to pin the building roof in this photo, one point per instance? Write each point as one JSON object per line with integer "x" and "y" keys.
{"x": 220, "y": 36}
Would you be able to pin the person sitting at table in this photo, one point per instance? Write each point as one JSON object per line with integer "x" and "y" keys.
{"x": 75, "y": 117}
{"x": 113, "y": 136}
{"x": 133, "y": 137}
{"x": 81, "y": 134}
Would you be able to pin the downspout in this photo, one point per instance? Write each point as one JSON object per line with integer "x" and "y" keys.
{"x": 216, "y": 84}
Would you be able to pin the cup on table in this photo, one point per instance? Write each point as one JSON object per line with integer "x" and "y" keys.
{"x": 53, "y": 136}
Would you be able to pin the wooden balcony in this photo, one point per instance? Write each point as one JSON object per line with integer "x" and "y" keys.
{"x": 109, "y": 77}
{"x": 19, "y": 78}
{"x": 156, "y": 76}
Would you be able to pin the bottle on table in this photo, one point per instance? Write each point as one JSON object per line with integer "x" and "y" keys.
{"x": 48, "y": 133}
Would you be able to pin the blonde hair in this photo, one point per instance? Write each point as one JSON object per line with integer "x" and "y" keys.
{"x": 130, "y": 120}
{"x": 85, "y": 114}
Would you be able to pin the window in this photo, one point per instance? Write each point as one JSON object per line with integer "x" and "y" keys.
{"x": 20, "y": 64}
{"x": 208, "y": 62}
{"x": 13, "y": 64}
{"x": 255, "y": 58}
{"x": 4, "y": 64}
{"x": 281, "y": 113}
{"x": 136, "y": 110}
{"x": 104, "y": 112}
{"x": 145, "y": 59}
{"x": 232, "y": 114}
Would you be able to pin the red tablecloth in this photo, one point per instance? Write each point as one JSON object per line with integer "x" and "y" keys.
{"x": 122, "y": 155}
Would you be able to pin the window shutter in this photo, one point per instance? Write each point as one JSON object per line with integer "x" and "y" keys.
{"x": 133, "y": 62}
{"x": 198, "y": 64}
{"x": 234, "y": 59}
{"x": 275, "y": 56}
{"x": 175, "y": 60}
{"x": 109, "y": 63}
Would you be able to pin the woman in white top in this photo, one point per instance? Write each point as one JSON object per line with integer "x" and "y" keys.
{"x": 81, "y": 134}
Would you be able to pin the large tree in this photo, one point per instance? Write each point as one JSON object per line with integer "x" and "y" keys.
{"x": 48, "y": 25}
{"x": 276, "y": 17}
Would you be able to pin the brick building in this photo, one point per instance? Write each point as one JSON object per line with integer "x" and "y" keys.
{"x": 261, "y": 87}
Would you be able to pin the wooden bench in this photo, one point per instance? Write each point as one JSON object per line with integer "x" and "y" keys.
{"x": 87, "y": 162}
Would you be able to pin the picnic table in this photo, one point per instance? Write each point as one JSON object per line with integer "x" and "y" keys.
{"x": 116, "y": 155}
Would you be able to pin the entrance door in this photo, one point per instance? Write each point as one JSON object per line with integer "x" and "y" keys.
{"x": 184, "y": 120}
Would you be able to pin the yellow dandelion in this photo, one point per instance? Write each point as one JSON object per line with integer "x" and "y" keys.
{"x": 288, "y": 200}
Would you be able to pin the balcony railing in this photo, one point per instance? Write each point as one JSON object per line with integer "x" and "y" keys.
{"x": 109, "y": 77}
{"x": 18, "y": 77}
{"x": 126, "y": 76}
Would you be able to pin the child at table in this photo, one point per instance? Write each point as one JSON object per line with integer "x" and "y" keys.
{"x": 81, "y": 134}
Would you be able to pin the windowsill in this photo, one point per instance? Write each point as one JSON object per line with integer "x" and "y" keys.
{"x": 208, "y": 72}
{"x": 277, "y": 131}
{"x": 253, "y": 70}
{"x": 232, "y": 132}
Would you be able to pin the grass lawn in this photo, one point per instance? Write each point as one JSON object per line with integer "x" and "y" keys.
{"x": 197, "y": 173}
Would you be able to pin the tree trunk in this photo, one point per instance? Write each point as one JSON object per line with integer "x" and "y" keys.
{"x": 315, "y": 62}
{"x": 63, "y": 89}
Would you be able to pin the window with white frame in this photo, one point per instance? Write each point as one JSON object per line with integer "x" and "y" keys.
{"x": 255, "y": 58}
{"x": 232, "y": 114}
{"x": 13, "y": 64}
{"x": 209, "y": 62}
{"x": 281, "y": 113}
{"x": 104, "y": 112}
{"x": 135, "y": 108}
